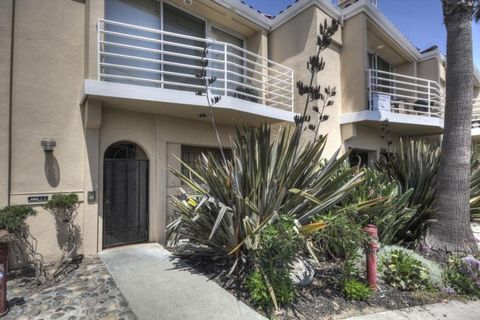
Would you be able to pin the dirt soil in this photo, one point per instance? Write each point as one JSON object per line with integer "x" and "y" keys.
{"x": 324, "y": 299}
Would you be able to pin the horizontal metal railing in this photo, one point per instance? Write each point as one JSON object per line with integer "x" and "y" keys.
{"x": 139, "y": 55}
{"x": 476, "y": 113}
{"x": 400, "y": 93}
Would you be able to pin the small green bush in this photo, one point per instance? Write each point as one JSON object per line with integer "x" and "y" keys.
{"x": 463, "y": 275}
{"x": 62, "y": 202}
{"x": 260, "y": 293}
{"x": 403, "y": 271}
{"x": 434, "y": 270}
{"x": 12, "y": 218}
{"x": 276, "y": 249}
{"x": 356, "y": 290}
{"x": 341, "y": 239}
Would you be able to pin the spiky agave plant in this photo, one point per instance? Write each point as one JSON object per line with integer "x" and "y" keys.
{"x": 414, "y": 167}
{"x": 221, "y": 219}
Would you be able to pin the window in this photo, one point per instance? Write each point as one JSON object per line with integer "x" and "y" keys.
{"x": 376, "y": 62}
{"x": 191, "y": 156}
{"x": 135, "y": 55}
{"x": 143, "y": 13}
{"x": 182, "y": 23}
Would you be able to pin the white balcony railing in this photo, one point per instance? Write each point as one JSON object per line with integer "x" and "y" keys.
{"x": 150, "y": 57}
{"x": 476, "y": 114}
{"x": 399, "y": 93}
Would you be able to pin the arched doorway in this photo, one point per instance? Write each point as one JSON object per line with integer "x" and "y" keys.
{"x": 125, "y": 195}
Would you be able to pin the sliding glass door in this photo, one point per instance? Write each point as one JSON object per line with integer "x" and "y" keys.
{"x": 129, "y": 57}
{"x": 135, "y": 50}
{"x": 181, "y": 57}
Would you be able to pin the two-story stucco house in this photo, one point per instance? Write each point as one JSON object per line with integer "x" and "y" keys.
{"x": 112, "y": 83}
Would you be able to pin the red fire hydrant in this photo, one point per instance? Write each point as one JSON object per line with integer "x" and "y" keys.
{"x": 3, "y": 271}
{"x": 372, "y": 250}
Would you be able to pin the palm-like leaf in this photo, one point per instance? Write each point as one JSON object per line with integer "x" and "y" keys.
{"x": 264, "y": 179}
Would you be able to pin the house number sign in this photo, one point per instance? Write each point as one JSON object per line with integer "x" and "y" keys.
{"x": 35, "y": 199}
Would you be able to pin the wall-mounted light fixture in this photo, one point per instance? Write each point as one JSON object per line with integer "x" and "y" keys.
{"x": 188, "y": 2}
{"x": 48, "y": 144}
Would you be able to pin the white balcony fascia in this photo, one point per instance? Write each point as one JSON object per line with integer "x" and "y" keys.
{"x": 102, "y": 90}
{"x": 398, "y": 118}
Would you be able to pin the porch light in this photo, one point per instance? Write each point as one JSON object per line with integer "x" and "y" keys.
{"x": 188, "y": 2}
{"x": 48, "y": 144}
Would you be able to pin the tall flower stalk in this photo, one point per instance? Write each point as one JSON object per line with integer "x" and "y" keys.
{"x": 313, "y": 93}
{"x": 211, "y": 100}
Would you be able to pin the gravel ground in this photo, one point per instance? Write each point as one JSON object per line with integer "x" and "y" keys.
{"x": 88, "y": 292}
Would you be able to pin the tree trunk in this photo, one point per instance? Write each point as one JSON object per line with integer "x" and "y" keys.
{"x": 450, "y": 232}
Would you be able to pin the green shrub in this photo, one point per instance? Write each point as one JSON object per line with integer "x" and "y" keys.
{"x": 463, "y": 275}
{"x": 270, "y": 282}
{"x": 62, "y": 203}
{"x": 403, "y": 271}
{"x": 414, "y": 167}
{"x": 381, "y": 202}
{"x": 341, "y": 239}
{"x": 260, "y": 293}
{"x": 13, "y": 218}
{"x": 356, "y": 290}
{"x": 434, "y": 270}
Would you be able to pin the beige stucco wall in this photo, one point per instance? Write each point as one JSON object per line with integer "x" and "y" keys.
{"x": 47, "y": 79}
{"x": 6, "y": 8}
{"x": 429, "y": 69}
{"x": 367, "y": 138}
{"x": 161, "y": 138}
{"x": 291, "y": 44}
{"x": 354, "y": 64}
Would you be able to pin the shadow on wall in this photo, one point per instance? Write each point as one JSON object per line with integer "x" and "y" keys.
{"x": 64, "y": 230}
{"x": 52, "y": 169}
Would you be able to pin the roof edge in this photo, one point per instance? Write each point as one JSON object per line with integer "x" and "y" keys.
{"x": 378, "y": 18}
{"x": 296, "y": 8}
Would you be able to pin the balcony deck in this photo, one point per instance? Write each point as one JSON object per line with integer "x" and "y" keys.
{"x": 157, "y": 71}
{"x": 412, "y": 105}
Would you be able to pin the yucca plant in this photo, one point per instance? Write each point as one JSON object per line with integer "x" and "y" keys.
{"x": 381, "y": 202}
{"x": 229, "y": 204}
{"x": 414, "y": 167}
{"x": 475, "y": 187}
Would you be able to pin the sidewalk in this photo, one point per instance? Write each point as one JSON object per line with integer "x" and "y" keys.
{"x": 452, "y": 310}
{"x": 157, "y": 288}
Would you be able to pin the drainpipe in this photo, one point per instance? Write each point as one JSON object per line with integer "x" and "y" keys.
{"x": 10, "y": 107}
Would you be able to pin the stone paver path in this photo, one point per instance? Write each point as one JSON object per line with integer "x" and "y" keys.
{"x": 453, "y": 310}
{"x": 158, "y": 287}
{"x": 88, "y": 292}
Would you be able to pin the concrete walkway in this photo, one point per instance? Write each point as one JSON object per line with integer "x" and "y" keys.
{"x": 156, "y": 287}
{"x": 454, "y": 310}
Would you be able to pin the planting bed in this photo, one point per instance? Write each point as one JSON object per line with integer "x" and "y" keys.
{"x": 324, "y": 299}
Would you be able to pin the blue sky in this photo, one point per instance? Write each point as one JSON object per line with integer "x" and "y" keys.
{"x": 420, "y": 20}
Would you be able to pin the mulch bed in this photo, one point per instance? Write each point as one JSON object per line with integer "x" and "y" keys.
{"x": 324, "y": 300}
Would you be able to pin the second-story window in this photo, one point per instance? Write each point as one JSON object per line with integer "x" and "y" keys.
{"x": 127, "y": 57}
{"x": 383, "y": 69}
{"x": 153, "y": 43}
{"x": 181, "y": 63}
{"x": 235, "y": 59}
